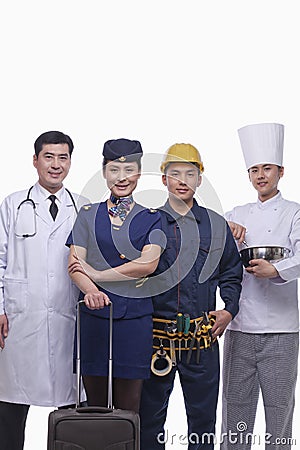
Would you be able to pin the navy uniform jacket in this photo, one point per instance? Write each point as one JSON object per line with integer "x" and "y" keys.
{"x": 109, "y": 246}
{"x": 201, "y": 253}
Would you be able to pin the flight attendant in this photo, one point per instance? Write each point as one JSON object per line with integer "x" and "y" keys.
{"x": 114, "y": 247}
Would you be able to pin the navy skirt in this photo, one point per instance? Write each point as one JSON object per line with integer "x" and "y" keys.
{"x": 132, "y": 346}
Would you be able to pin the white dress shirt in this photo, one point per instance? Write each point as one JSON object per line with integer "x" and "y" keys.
{"x": 270, "y": 305}
{"x": 44, "y": 193}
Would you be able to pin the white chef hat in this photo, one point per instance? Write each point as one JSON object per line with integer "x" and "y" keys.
{"x": 262, "y": 143}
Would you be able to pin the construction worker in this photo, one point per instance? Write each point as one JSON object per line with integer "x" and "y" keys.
{"x": 200, "y": 255}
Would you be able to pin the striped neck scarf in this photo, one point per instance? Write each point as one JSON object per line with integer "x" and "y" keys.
{"x": 121, "y": 206}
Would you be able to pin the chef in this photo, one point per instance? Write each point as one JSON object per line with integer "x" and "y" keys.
{"x": 37, "y": 297}
{"x": 261, "y": 344}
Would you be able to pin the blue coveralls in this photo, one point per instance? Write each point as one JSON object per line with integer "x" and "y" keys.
{"x": 199, "y": 244}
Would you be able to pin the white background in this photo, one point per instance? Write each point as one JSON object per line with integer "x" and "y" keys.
{"x": 161, "y": 71}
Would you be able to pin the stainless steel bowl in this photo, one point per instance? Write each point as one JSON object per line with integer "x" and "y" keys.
{"x": 269, "y": 252}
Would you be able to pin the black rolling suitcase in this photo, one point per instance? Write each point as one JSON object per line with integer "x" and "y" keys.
{"x": 93, "y": 428}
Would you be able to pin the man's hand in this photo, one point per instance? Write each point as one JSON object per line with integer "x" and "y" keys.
{"x": 3, "y": 329}
{"x": 96, "y": 300}
{"x": 238, "y": 231}
{"x": 261, "y": 268}
{"x": 223, "y": 318}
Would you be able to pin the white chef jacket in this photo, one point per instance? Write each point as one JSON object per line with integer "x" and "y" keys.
{"x": 270, "y": 305}
{"x": 39, "y": 299}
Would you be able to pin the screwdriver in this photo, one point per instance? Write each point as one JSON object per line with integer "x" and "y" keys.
{"x": 179, "y": 323}
{"x": 186, "y": 328}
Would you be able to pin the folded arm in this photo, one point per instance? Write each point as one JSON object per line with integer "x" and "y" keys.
{"x": 94, "y": 299}
{"x": 138, "y": 268}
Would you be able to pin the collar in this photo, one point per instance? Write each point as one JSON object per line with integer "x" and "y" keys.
{"x": 271, "y": 202}
{"x": 45, "y": 193}
{"x": 174, "y": 216}
{"x": 118, "y": 200}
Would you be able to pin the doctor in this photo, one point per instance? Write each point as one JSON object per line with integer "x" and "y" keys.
{"x": 37, "y": 297}
{"x": 261, "y": 343}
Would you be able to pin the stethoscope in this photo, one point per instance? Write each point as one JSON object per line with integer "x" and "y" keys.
{"x": 31, "y": 202}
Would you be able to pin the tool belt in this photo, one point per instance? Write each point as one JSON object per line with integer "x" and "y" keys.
{"x": 168, "y": 342}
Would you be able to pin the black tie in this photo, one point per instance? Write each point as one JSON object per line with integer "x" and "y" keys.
{"x": 53, "y": 207}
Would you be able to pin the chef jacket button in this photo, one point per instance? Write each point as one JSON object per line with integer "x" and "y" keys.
{"x": 269, "y": 231}
{"x": 122, "y": 256}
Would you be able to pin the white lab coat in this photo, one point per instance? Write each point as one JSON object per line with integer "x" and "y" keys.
{"x": 39, "y": 298}
{"x": 270, "y": 305}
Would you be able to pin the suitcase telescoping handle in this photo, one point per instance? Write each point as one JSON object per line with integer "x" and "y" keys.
{"x": 78, "y": 353}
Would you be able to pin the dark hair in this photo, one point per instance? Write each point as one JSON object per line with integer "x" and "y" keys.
{"x": 137, "y": 160}
{"x": 190, "y": 162}
{"x": 52, "y": 137}
{"x": 266, "y": 164}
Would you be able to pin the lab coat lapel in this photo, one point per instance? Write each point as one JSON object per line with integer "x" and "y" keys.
{"x": 65, "y": 210}
{"x": 42, "y": 209}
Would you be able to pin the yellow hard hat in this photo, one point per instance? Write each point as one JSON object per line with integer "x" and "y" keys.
{"x": 182, "y": 153}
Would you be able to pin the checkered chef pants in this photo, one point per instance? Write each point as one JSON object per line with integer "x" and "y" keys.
{"x": 253, "y": 363}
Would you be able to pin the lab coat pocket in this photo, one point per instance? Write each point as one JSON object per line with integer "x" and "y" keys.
{"x": 15, "y": 294}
